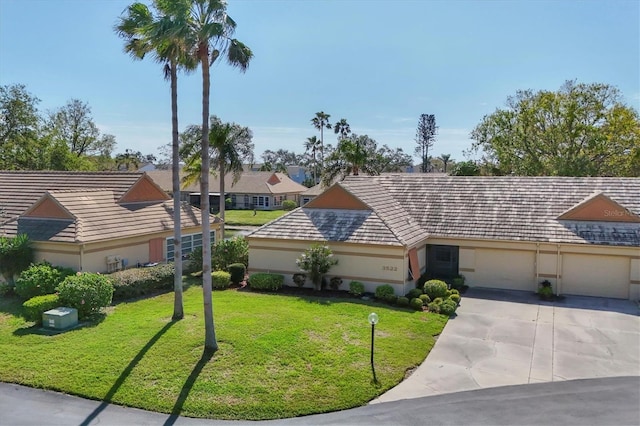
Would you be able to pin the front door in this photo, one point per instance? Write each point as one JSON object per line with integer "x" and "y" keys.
{"x": 442, "y": 261}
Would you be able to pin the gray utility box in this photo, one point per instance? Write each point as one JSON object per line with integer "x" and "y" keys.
{"x": 60, "y": 318}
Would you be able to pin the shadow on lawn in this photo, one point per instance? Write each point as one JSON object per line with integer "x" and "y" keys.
{"x": 186, "y": 388}
{"x": 125, "y": 373}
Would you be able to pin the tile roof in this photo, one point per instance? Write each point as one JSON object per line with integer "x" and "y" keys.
{"x": 511, "y": 208}
{"x": 20, "y": 189}
{"x": 95, "y": 217}
{"x": 249, "y": 183}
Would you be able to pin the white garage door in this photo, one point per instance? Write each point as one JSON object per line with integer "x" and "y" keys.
{"x": 506, "y": 269}
{"x": 590, "y": 275}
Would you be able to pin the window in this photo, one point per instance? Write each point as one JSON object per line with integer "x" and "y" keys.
{"x": 260, "y": 201}
{"x": 189, "y": 243}
{"x": 246, "y": 201}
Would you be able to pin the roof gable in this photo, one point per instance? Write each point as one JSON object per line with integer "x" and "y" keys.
{"x": 337, "y": 197}
{"x": 273, "y": 180}
{"x": 144, "y": 190}
{"x": 48, "y": 207}
{"x": 599, "y": 207}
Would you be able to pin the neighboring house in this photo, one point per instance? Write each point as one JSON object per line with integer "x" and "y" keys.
{"x": 259, "y": 190}
{"x": 97, "y": 222}
{"x": 311, "y": 193}
{"x": 581, "y": 234}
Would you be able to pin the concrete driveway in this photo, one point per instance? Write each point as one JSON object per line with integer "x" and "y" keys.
{"x": 503, "y": 338}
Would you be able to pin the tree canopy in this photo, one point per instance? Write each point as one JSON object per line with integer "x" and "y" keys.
{"x": 579, "y": 130}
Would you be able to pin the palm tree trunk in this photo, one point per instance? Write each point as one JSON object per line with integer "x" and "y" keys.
{"x": 222, "y": 195}
{"x": 178, "y": 308}
{"x": 210, "y": 343}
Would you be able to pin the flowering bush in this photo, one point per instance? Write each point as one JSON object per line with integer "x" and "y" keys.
{"x": 316, "y": 261}
{"x": 87, "y": 292}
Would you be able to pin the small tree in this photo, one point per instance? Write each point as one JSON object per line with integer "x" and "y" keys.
{"x": 316, "y": 261}
{"x": 16, "y": 254}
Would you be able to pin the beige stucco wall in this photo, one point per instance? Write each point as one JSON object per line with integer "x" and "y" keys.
{"x": 370, "y": 264}
{"x": 66, "y": 255}
{"x": 603, "y": 271}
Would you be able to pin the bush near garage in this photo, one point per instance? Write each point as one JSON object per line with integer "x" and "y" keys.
{"x": 416, "y": 303}
{"x": 413, "y": 293}
{"x": 40, "y": 279}
{"x": 435, "y": 289}
{"x": 384, "y": 291}
{"x": 402, "y": 302}
{"x": 137, "y": 282}
{"x": 299, "y": 279}
{"x": 87, "y": 292}
{"x": 425, "y": 299}
{"x": 448, "y": 307}
{"x": 265, "y": 281}
{"x": 237, "y": 271}
{"x": 36, "y": 306}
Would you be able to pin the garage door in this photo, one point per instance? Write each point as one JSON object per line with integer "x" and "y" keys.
{"x": 506, "y": 269}
{"x": 589, "y": 275}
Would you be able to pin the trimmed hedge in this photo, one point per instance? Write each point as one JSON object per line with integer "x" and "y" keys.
{"x": 402, "y": 301}
{"x": 237, "y": 272}
{"x": 40, "y": 279}
{"x": 138, "y": 282}
{"x": 38, "y": 305}
{"x": 413, "y": 293}
{"x": 383, "y": 291}
{"x": 289, "y": 205}
{"x": 425, "y": 299}
{"x": 265, "y": 281}
{"x": 87, "y": 292}
{"x": 416, "y": 303}
{"x": 436, "y": 288}
{"x": 448, "y": 307}
{"x": 220, "y": 280}
{"x": 356, "y": 288}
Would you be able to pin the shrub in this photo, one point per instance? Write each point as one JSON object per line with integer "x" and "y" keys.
{"x": 416, "y": 303}
{"x": 138, "y": 282}
{"x": 194, "y": 260}
{"x": 425, "y": 299}
{"x": 87, "y": 292}
{"x": 299, "y": 279}
{"x": 434, "y": 307}
{"x": 289, "y": 205}
{"x": 458, "y": 281}
{"x": 38, "y": 305}
{"x": 402, "y": 301}
{"x": 423, "y": 279}
{"x": 383, "y": 291}
{"x": 226, "y": 252}
{"x": 40, "y": 279}
{"x": 391, "y": 299}
{"x": 237, "y": 271}
{"x": 356, "y": 288}
{"x": 413, "y": 293}
{"x": 16, "y": 254}
{"x": 220, "y": 280}
{"x": 454, "y": 291}
{"x": 335, "y": 283}
{"x": 265, "y": 281}
{"x": 316, "y": 261}
{"x": 448, "y": 307}
{"x": 5, "y": 289}
{"x": 435, "y": 288}
{"x": 438, "y": 300}
{"x": 455, "y": 298}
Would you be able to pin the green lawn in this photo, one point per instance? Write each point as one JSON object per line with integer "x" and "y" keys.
{"x": 279, "y": 356}
{"x": 246, "y": 217}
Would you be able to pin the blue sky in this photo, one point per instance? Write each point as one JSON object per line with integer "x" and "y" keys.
{"x": 377, "y": 64}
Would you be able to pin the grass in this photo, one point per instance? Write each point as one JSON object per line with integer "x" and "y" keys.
{"x": 279, "y": 356}
{"x": 247, "y": 218}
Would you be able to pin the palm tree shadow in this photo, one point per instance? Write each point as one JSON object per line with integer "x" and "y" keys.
{"x": 125, "y": 373}
{"x": 186, "y": 388}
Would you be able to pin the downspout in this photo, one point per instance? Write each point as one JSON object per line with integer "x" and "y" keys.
{"x": 537, "y": 264}
{"x": 81, "y": 257}
{"x": 558, "y": 271}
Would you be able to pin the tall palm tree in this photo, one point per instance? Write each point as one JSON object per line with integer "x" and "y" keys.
{"x": 320, "y": 121}
{"x": 163, "y": 35}
{"x": 342, "y": 129}
{"x": 211, "y": 30}
{"x": 445, "y": 160}
{"x": 313, "y": 145}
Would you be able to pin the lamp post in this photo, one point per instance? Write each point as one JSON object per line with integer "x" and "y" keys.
{"x": 373, "y": 320}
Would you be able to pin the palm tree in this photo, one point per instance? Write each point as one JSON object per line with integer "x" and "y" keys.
{"x": 163, "y": 36}
{"x": 352, "y": 156}
{"x": 320, "y": 121}
{"x": 211, "y": 30}
{"x": 342, "y": 129}
{"x": 313, "y": 145}
{"x": 445, "y": 160}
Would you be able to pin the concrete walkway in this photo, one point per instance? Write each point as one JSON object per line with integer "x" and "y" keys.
{"x": 504, "y": 338}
